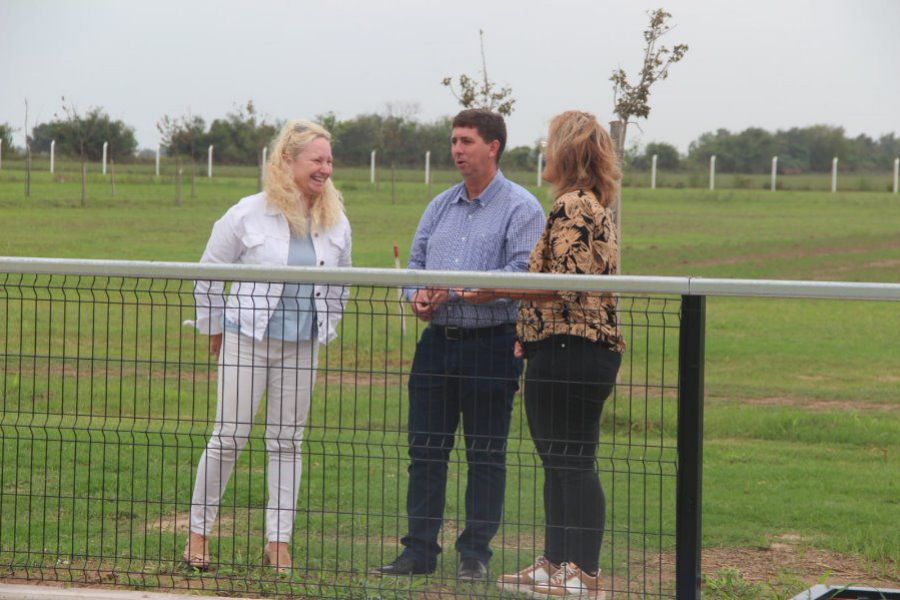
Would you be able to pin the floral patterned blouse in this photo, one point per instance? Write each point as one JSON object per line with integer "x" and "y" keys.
{"x": 579, "y": 239}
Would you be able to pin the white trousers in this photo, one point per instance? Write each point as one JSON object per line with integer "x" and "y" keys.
{"x": 247, "y": 369}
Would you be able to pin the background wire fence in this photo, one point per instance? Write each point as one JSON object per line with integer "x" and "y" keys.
{"x": 107, "y": 401}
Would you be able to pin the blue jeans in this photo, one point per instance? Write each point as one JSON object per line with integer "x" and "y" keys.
{"x": 476, "y": 378}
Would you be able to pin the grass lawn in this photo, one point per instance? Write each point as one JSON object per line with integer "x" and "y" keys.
{"x": 802, "y": 413}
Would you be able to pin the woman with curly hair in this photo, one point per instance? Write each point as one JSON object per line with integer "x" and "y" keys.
{"x": 574, "y": 350}
{"x": 266, "y": 335}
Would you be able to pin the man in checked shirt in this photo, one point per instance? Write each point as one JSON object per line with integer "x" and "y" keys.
{"x": 464, "y": 365}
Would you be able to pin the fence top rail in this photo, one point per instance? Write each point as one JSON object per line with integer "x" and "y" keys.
{"x": 624, "y": 284}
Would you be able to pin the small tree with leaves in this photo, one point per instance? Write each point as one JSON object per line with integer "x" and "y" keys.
{"x": 473, "y": 93}
{"x": 633, "y": 100}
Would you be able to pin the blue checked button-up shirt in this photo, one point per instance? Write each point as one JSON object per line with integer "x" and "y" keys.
{"x": 494, "y": 232}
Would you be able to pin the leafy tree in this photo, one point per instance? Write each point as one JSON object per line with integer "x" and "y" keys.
{"x": 183, "y": 136}
{"x": 519, "y": 157}
{"x": 355, "y": 139}
{"x": 77, "y": 133}
{"x": 799, "y": 150}
{"x": 6, "y": 139}
{"x": 666, "y": 157}
{"x": 484, "y": 93}
{"x": 240, "y": 136}
{"x": 633, "y": 100}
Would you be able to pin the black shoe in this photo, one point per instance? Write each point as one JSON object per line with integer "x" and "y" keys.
{"x": 471, "y": 569}
{"x": 403, "y": 565}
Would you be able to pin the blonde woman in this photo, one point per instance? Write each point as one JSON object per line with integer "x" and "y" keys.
{"x": 574, "y": 350}
{"x": 266, "y": 335}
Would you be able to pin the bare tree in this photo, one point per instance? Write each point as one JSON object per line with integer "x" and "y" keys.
{"x": 397, "y": 125}
{"x": 180, "y": 136}
{"x": 483, "y": 94}
{"x": 82, "y": 130}
{"x": 27, "y": 154}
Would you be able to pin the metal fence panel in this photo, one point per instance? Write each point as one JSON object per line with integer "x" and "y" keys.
{"x": 108, "y": 402}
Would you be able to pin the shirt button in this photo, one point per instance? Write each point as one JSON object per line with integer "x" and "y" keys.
{"x": 321, "y": 262}
{"x": 469, "y": 217}
{"x": 463, "y": 238}
{"x": 456, "y": 260}
{"x": 318, "y": 294}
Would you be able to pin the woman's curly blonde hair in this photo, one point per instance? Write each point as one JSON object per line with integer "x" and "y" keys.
{"x": 283, "y": 193}
{"x": 581, "y": 156}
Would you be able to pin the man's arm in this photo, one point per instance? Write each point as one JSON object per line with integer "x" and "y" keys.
{"x": 419, "y": 248}
{"x": 522, "y": 234}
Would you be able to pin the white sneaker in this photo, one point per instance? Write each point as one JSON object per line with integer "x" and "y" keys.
{"x": 525, "y": 580}
{"x": 570, "y": 582}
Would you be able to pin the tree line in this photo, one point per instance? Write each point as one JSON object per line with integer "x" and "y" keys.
{"x": 799, "y": 150}
{"x": 402, "y": 140}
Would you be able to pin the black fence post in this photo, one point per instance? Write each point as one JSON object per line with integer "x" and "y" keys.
{"x": 690, "y": 447}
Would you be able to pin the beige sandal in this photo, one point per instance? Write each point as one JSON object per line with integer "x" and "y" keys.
{"x": 196, "y": 552}
{"x": 278, "y": 555}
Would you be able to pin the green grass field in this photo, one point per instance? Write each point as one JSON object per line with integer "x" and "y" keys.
{"x": 802, "y": 411}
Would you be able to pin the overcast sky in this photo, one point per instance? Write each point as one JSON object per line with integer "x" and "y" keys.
{"x": 767, "y": 63}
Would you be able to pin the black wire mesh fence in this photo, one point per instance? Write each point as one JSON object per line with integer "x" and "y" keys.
{"x": 110, "y": 403}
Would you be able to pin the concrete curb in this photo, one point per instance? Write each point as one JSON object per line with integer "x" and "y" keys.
{"x": 37, "y": 592}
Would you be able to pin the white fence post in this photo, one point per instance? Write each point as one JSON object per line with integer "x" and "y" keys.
{"x": 540, "y": 168}
{"x": 52, "y": 155}
{"x": 712, "y": 172}
{"x": 209, "y": 162}
{"x": 896, "y": 175}
{"x": 372, "y": 167}
{"x": 1, "y": 156}
{"x": 774, "y": 171}
{"x": 653, "y": 173}
{"x": 105, "y": 148}
{"x": 428, "y": 166}
{"x": 262, "y": 167}
{"x": 157, "y": 160}
{"x": 834, "y": 162}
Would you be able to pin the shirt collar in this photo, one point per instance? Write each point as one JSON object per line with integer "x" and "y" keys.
{"x": 489, "y": 193}
{"x": 272, "y": 210}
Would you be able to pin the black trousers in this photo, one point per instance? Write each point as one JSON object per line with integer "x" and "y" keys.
{"x": 567, "y": 380}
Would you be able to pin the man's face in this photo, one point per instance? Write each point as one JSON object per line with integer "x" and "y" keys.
{"x": 471, "y": 154}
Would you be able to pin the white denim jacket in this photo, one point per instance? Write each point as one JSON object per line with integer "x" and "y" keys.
{"x": 253, "y": 232}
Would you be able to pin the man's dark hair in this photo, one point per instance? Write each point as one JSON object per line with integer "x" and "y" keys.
{"x": 490, "y": 125}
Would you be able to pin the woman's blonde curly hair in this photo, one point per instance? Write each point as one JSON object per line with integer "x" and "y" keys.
{"x": 581, "y": 156}
{"x": 281, "y": 191}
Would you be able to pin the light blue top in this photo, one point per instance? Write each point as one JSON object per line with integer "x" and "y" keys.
{"x": 295, "y": 316}
{"x": 294, "y": 319}
{"x": 494, "y": 232}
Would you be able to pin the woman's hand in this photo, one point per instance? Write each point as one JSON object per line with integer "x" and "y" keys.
{"x": 215, "y": 344}
{"x": 475, "y": 296}
{"x": 518, "y": 349}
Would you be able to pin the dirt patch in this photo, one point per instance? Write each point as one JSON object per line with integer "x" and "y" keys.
{"x": 787, "y": 556}
{"x": 889, "y": 263}
{"x": 820, "y": 405}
